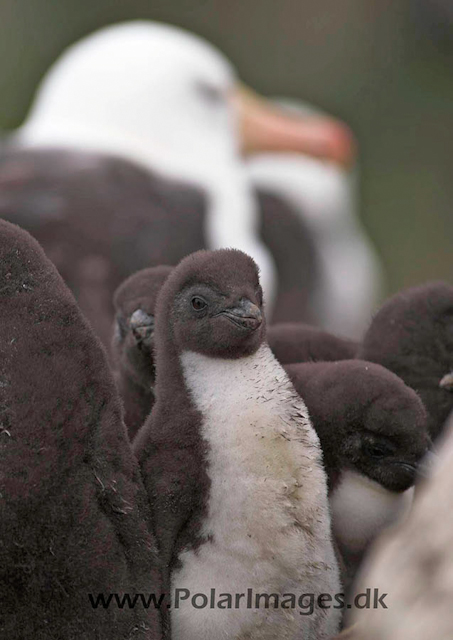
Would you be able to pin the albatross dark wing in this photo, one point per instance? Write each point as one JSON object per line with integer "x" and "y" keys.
{"x": 99, "y": 219}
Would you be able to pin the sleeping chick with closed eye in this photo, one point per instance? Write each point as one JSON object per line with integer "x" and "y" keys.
{"x": 373, "y": 431}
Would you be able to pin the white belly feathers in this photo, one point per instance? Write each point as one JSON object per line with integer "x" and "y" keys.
{"x": 267, "y": 525}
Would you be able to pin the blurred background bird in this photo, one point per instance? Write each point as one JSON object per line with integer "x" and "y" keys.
{"x": 383, "y": 67}
{"x": 382, "y": 72}
{"x": 170, "y": 104}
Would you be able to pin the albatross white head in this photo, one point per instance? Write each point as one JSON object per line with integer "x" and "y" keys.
{"x": 144, "y": 90}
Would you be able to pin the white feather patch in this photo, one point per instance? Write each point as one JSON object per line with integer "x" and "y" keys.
{"x": 362, "y": 508}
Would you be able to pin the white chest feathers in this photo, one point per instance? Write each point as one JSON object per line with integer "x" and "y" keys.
{"x": 267, "y": 527}
{"x": 362, "y": 508}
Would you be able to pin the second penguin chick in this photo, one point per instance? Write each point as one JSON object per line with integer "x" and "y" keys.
{"x": 412, "y": 335}
{"x": 373, "y": 432}
{"x": 133, "y": 343}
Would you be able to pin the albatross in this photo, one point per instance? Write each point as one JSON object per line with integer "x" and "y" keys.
{"x": 131, "y": 156}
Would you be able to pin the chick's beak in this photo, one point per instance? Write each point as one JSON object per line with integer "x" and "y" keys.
{"x": 407, "y": 466}
{"x": 245, "y": 315}
{"x": 266, "y": 127}
{"x": 142, "y": 325}
{"x": 447, "y": 382}
{"x": 407, "y": 472}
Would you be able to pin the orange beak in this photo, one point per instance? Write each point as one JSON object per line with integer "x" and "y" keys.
{"x": 266, "y": 127}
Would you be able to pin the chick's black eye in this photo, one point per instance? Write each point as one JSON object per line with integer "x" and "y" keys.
{"x": 376, "y": 450}
{"x": 198, "y": 303}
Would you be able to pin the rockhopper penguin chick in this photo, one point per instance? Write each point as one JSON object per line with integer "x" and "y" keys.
{"x": 373, "y": 432}
{"x": 133, "y": 343}
{"x": 297, "y": 342}
{"x": 412, "y": 335}
{"x": 231, "y": 462}
{"x": 74, "y": 513}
